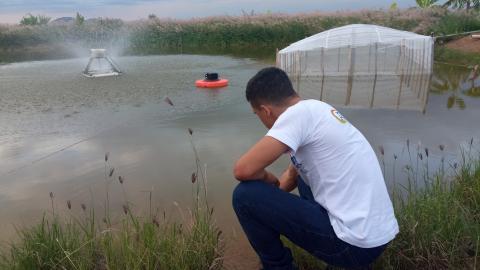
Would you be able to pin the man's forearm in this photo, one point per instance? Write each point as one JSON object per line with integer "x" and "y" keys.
{"x": 261, "y": 175}
{"x": 265, "y": 176}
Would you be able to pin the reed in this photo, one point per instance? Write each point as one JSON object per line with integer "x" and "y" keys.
{"x": 439, "y": 222}
{"x": 247, "y": 35}
{"x": 132, "y": 241}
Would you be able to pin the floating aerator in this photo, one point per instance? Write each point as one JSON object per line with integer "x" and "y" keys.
{"x": 100, "y": 65}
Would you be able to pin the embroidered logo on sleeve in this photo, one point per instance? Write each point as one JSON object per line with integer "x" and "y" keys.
{"x": 339, "y": 116}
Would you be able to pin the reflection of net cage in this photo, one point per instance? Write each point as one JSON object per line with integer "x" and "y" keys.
{"x": 362, "y": 66}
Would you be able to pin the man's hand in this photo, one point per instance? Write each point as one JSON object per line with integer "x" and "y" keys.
{"x": 288, "y": 180}
{"x": 270, "y": 178}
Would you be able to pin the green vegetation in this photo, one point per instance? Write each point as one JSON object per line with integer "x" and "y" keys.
{"x": 457, "y": 4}
{"x": 79, "y": 19}
{"x": 250, "y": 34}
{"x": 131, "y": 243}
{"x": 439, "y": 223}
{"x": 438, "y": 214}
{"x": 393, "y": 6}
{"x": 456, "y": 22}
{"x": 30, "y": 19}
{"x": 460, "y": 4}
{"x": 426, "y": 3}
{"x": 96, "y": 241}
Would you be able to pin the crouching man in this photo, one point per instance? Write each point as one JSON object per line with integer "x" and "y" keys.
{"x": 343, "y": 215}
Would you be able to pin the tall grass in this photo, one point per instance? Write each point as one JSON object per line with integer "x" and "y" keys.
{"x": 440, "y": 224}
{"x": 148, "y": 241}
{"x": 457, "y": 22}
{"x": 438, "y": 215}
{"x": 254, "y": 34}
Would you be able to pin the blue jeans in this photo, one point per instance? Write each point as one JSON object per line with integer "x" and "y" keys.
{"x": 266, "y": 212}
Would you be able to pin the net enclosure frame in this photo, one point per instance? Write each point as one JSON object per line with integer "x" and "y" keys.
{"x": 363, "y": 66}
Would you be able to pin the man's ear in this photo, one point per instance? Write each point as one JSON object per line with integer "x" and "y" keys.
{"x": 266, "y": 109}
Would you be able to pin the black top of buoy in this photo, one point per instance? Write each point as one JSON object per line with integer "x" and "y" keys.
{"x": 211, "y": 77}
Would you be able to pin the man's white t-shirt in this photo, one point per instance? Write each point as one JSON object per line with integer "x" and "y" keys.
{"x": 341, "y": 168}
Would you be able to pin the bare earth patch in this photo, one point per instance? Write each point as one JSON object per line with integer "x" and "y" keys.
{"x": 465, "y": 44}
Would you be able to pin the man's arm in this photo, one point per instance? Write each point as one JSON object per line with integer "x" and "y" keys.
{"x": 288, "y": 180}
{"x": 251, "y": 166}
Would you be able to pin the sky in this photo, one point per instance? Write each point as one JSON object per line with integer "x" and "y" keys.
{"x": 11, "y": 11}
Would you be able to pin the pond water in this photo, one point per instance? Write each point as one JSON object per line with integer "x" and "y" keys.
{"x": 57, "y": 125}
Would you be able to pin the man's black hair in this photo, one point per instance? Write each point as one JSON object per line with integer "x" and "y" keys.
{"x": 270, "y": 85}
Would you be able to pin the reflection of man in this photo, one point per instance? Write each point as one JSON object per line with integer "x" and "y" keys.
{"x": 344, "y": 215}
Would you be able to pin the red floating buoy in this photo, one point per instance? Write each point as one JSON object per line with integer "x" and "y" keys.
{"x": 211, "y": 84}
{"x": 211, "y": 81}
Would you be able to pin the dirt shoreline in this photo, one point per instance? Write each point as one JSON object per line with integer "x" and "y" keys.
{"x": 465, "y": 44}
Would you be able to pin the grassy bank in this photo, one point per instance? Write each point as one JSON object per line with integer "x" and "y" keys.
{"x": 95, "y": 240}
{"x": 438, "y": 214}
{"x": 133, "y": 242}
{"x": 439, "y": 223}
{"x": 255, "y": 35}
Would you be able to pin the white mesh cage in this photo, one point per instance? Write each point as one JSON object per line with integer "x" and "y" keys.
{"x": 362, "y": 66}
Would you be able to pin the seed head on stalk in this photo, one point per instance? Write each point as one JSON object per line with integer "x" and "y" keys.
{"x": 168, "y": 101}
{"x": 194, "y": 177}
{"x": 51, "y": 199}
{"x": 125, "y": 209}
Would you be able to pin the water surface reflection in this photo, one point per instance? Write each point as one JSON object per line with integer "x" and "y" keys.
{"x": 148, "y": 140}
